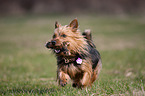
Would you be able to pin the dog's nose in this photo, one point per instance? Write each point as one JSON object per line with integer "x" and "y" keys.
{"x": 47, "y": 44}
{"x": 53, "y": 42}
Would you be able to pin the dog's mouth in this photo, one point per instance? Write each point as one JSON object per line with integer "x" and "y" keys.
{"x": 57, "y": 51}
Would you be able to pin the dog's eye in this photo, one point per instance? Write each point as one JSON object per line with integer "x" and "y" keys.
{"x": 63, "y": 35}
{"x": 54, "y": 36}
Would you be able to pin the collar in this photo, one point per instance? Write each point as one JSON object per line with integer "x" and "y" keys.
{"x": 75, "y": 60}
{"x": 67, "y": 61}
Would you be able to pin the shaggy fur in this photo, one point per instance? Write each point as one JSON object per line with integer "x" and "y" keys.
{"x": 77, "y": 58}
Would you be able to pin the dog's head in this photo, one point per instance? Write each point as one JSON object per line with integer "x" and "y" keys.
{"x": 66, "y": 40}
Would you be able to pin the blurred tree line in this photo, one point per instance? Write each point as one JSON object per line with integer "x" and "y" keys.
{"x": 72, "y": 6}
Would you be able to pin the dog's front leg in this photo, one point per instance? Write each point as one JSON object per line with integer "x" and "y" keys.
{"x": 62, "y": 78}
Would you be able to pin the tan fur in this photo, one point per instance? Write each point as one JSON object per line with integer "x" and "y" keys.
{"x": 77, "y": 41}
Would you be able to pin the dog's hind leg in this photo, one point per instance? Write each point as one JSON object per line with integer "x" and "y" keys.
{"x": 85, "y": 80}
{"x": 96, "y": 71}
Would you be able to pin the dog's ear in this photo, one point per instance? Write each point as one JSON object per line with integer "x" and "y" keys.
{"x": 74, "y": 25}
{"x": 57, "y": 25}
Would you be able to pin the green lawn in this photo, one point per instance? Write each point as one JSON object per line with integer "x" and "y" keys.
{"x": 28, "y": 68}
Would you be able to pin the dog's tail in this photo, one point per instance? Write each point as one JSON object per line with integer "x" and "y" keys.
{"x": 88, "y": 36}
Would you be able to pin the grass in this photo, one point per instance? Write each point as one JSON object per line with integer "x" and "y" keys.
{"x": 28, "y": 68}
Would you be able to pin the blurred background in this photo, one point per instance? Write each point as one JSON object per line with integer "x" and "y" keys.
{"x": 72, "y": 6}
{"x": 118, "y": 30}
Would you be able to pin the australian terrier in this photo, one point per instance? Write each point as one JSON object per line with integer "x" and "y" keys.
{"x": 77, "y": 58}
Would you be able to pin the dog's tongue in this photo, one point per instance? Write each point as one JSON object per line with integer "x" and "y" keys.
{"x": 57, "y": 50}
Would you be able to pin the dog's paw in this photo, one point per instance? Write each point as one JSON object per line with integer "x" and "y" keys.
{"x": 78, "y": 85}
{"x": 74, "y": 85}
{"x": 63, "y": 83}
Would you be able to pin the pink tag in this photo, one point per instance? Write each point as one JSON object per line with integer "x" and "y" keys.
{"x": 79, "y": 61}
